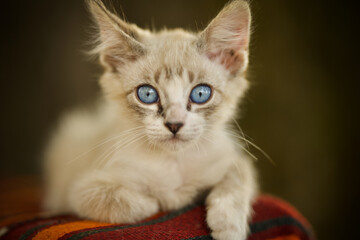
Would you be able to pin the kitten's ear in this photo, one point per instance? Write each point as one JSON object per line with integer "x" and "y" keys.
{"x": 119, "y": 42}
{"x": 226, "y": 38}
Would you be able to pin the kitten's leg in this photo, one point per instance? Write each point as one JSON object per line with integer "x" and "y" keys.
{"x": 229, "y": 203}
{"x": 101, "y": 197}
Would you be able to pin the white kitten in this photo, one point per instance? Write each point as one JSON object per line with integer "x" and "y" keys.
{"x": 159, "y": 139}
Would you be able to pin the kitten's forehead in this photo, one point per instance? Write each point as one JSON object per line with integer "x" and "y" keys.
{"x": 173, "y": 58}
{"x": 172, "y": 48}
{"x": 169, "y": 39}
{"x": 173, "y": 54}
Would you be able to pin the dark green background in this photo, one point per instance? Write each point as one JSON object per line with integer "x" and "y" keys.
{"x": 302, "y": 109}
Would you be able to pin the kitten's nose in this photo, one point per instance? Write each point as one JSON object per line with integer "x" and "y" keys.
{"x": 174, "y": 127}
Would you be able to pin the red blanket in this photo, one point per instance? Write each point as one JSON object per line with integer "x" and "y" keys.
{"x": 273, "y": 219}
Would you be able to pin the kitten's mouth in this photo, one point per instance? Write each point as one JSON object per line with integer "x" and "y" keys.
{"x": 174, "y": 142}
{"x": 175, "y": 139}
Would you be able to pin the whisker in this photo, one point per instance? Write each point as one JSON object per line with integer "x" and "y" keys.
{"x": 197, "y": 147}
{"x": 241, "y": 131}
{"x": 106, "y": 153}
{"x": 247, "y": 151}
{"x": 255, "y": 146}
{"x": 207, "y": 139}
{"x": 236, "y": 166}
{"x": 132, "y": 141}
{"x": 104, "y": 141}
{"x": 114, "y": 147}
{"x": 232, "y": 160}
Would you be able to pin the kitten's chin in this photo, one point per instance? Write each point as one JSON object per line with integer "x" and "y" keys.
{"x": 174, "y": 143}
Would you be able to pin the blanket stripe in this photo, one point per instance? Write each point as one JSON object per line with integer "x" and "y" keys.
{"x": 26, "y": 230}
{"x": 58, "y": 231}
{"x": 265, "y": 225}
{"x": 114, "y": 229}
{"x": 273, "y": 219}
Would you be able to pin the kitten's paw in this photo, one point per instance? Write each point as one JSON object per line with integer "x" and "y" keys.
{"x": 111, "y": 203}
{"x": 227, "y": 223}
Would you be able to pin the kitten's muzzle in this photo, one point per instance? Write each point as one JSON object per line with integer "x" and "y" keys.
{"x": 174, "y": 127}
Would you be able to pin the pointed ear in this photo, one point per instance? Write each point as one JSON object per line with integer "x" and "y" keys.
{"x": 119, "y": 42}
{"x": 226, "y": 38}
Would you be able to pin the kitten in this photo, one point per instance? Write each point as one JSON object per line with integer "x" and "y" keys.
{"x": 159, "y": 139}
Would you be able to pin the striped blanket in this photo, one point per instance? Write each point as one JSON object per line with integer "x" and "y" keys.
{"x": 273, "y": 219}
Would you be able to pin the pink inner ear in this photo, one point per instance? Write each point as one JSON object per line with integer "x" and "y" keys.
{"x": 232, "y": 60}
{"x": 227, "y": 39}
{"x": 229, "y": 48}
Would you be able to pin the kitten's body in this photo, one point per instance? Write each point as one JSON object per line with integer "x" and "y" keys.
{"x": 133, "y": 165}
{"x": 173, "y": 179}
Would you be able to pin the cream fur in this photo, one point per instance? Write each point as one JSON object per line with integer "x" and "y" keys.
{"x": 120, "y": 163}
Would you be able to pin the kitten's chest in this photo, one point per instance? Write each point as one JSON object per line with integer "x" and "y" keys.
{"x": 176, "y": 182}
{"x": 177, "y": 172}
{"x": 168, "y": 176}
{"x": 173, "y": 185}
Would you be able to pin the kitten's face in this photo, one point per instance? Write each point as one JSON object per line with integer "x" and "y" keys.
{"x": 177, "y": 93}
{"x": 180, "y": 87}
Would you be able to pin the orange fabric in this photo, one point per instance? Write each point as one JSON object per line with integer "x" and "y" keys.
{"x": 58, "y": 231}
{"x": 289, "y": 237}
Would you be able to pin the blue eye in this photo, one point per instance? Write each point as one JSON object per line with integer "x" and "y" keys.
{"x": 200, "y": 94}
{"x": 147, "y": 94}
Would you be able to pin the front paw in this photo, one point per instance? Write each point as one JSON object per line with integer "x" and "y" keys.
{"x": 227, "y": 223}
{"x": 107, "y": 202}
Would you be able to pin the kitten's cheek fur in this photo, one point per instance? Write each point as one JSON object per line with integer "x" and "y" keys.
{"x": 96, "y": 197}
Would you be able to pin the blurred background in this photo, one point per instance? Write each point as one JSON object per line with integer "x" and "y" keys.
{"x": 302, "y": 109}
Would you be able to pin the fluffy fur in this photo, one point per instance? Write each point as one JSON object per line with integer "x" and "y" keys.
{"x": 121, "y": 164}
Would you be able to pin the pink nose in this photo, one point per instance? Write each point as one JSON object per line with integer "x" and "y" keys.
{"x": 174, "y": 127}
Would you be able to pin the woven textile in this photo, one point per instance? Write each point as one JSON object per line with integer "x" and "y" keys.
{"x": 273, "y": 219}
